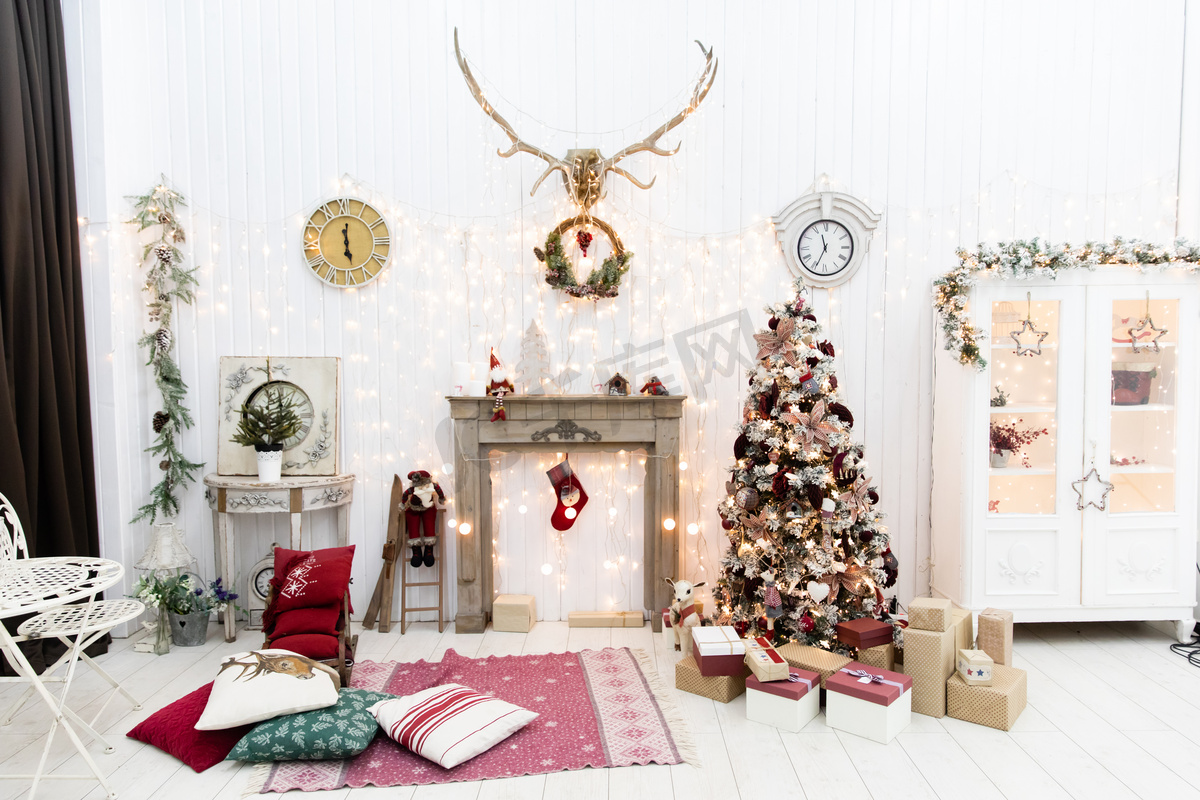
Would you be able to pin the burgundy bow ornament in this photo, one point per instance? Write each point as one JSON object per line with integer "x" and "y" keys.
{"x": 854, "y": 579}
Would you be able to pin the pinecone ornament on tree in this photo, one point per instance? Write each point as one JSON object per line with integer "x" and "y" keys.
{"x": 160, "y": 421}
{"x": 164, "y": 253}
{"x": 164, "y": 465}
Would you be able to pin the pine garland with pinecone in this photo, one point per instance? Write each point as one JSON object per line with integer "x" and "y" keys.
{"x": 167, "y": 281}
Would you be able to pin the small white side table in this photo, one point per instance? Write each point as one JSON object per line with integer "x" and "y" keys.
{"x": 293, "y": 494}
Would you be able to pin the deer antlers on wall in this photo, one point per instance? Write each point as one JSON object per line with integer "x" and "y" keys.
{"x": 583, "y": 170}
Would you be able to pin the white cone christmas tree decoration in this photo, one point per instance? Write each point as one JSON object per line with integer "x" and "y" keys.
{"x": 800, "y": 511}
{"x": 533, "y": 370}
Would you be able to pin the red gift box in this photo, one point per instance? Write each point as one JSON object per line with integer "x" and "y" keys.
{"x": 804, "y": 682}
{"x": 879, "y": 686}
{"x": 723, "y": 664}
{"x": 864, "y": 632}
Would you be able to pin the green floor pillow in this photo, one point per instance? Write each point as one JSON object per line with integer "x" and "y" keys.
{"x": 338, "y": 731}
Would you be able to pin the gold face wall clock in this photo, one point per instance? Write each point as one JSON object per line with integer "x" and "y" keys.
{"x": 347, "y": 242}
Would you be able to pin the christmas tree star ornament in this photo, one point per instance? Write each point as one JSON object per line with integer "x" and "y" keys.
{"x": 1083, "y": 488}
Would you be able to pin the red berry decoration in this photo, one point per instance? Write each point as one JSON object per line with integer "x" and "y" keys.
{"x": 585, "y": 241}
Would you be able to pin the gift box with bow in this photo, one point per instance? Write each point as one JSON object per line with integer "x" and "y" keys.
{"x": 869, "y": 702}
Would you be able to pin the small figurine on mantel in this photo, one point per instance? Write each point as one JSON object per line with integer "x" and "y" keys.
{"x": 498, "y": 386}
{"x": 654, "y": 387}
{"x": 420, "y": 502}
{"x": 617, "y": 386}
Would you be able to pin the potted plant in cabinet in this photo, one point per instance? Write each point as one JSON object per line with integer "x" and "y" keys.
{"x": 265, "y": 425}
{"x": 1006, "y": 438}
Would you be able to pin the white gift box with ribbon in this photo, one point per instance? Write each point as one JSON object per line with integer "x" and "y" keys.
{"x": 869, "y": 702}
{"x": 718, "y": 650}
{"x": 788, "y": 704}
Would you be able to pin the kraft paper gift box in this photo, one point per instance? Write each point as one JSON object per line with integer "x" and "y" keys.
{"x": 604, "y": 619}
{"x": 974, "y": 667}
{"x": 996, "y": 706}
{"x": 995, "y": 635}
{"x": 718, "y": 650}
{"x": 864, "y": 632}
{"x": 813, "y": 659}
{"x": 929, "y": 614}
{"x": 963, "y": 625}
{"x": 765, "y": 662}
{"x": 515, "y": 613}
{"x": 929, "y": 659}
{"x": 869, "y": 702}
{"x": 882, "y": 656}
{"x": 722, "y": 688}
{"x": 789, "y": 704}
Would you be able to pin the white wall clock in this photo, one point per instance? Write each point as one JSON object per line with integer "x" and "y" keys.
{"x": 314, "y": 385}
{"x": 346, "y": 242}
{"x": 825, "y": 236}
{"x": 258, "y": 588}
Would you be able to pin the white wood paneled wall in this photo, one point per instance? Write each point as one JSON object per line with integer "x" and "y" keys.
{"x": 961, "y": 122}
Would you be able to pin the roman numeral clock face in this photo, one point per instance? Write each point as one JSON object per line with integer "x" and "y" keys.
{"x": 825, "y": 248}
{"x": 346, "y": 243}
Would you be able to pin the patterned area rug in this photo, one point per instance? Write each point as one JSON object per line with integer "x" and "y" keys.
{"x": 598, "y": 708}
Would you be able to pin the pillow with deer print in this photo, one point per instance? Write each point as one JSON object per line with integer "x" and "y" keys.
{"x": 263, "y": 684}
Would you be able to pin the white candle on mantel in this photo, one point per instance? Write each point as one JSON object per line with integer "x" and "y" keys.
{"x": 462, "y": 376}
{"x": 475, "y": 388}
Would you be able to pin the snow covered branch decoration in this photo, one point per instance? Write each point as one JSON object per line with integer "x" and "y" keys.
{"x": 167, "y": 281}
{"x": 1028, "y": 259}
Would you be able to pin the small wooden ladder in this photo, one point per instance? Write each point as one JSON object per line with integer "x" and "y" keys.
{"x": 440, "y": 554}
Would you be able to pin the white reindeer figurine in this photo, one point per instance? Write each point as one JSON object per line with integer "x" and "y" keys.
{"x": 683, "y": 610}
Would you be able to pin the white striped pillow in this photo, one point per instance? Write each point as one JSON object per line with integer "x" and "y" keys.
{"x": 449, "y": 724}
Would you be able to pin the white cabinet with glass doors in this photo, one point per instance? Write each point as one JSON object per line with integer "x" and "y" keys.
{"x": 1065, "y": 473}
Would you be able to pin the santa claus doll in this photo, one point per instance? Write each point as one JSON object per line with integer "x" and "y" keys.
{"x": 498, "y": 386}
{"x": 420, "y": 501}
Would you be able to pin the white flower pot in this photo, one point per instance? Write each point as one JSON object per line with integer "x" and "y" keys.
{"x": 999, "y": 459}
{"x": 270, "y": 463}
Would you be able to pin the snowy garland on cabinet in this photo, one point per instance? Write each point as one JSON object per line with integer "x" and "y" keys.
{"x": 1025, "y": 260}
{"x": 167, "y": 281}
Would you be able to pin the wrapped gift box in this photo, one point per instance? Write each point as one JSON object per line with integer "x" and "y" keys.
{"x": 864, "y": 632}
{"x": 869, "y": 702}
{"x": 929, "y": 659}
{"x": 929, "y": 614}
{"x": 996, "y": 635}
{"x": 964, "y": 628}
{"x": 882, "y": 656}
{"x": 813, "y": 659}
{"x": 718, "y": 650}
{"x": 975, "y": 667}
{"x": 604, "y": 619}
{"x": 788, "y": 704}
{"x": 996, "y": 706}
{"x": 765, "y": 662}
{"x": 722, "y": 688}
{"x": 515, "y": 613}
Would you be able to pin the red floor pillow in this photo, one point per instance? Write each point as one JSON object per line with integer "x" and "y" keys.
{"x": 172, "y": 730}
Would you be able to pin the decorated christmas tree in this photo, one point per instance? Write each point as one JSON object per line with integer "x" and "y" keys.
{"x": 533, "y": 370}
{"x": 807, "y": 549}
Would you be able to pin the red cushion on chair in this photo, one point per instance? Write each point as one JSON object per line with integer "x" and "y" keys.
{"x": 313, "y": 645}
{"x": 307, "y": 620}
{"x": 307, "y": 579}
{"x": 172, "y": 730}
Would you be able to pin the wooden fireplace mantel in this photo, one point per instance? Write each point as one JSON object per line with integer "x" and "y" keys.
{"x": 558, "y": 424}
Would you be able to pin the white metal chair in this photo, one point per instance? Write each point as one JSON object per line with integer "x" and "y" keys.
{"x": 92, "y": 621}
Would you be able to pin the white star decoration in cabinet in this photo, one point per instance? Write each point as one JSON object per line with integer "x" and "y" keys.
{"x": 1016, "y": 443}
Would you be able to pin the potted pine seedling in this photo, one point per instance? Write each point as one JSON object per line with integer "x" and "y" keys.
{"x": 265, "y": 425}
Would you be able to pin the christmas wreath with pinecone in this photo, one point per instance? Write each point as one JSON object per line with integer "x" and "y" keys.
{"x": 604, "y": 281}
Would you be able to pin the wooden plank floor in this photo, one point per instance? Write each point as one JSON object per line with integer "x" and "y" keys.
{"x": 1112, "y": 714}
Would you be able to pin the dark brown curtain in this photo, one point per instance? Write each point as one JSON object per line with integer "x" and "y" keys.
{"x": 46, "y": 467}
